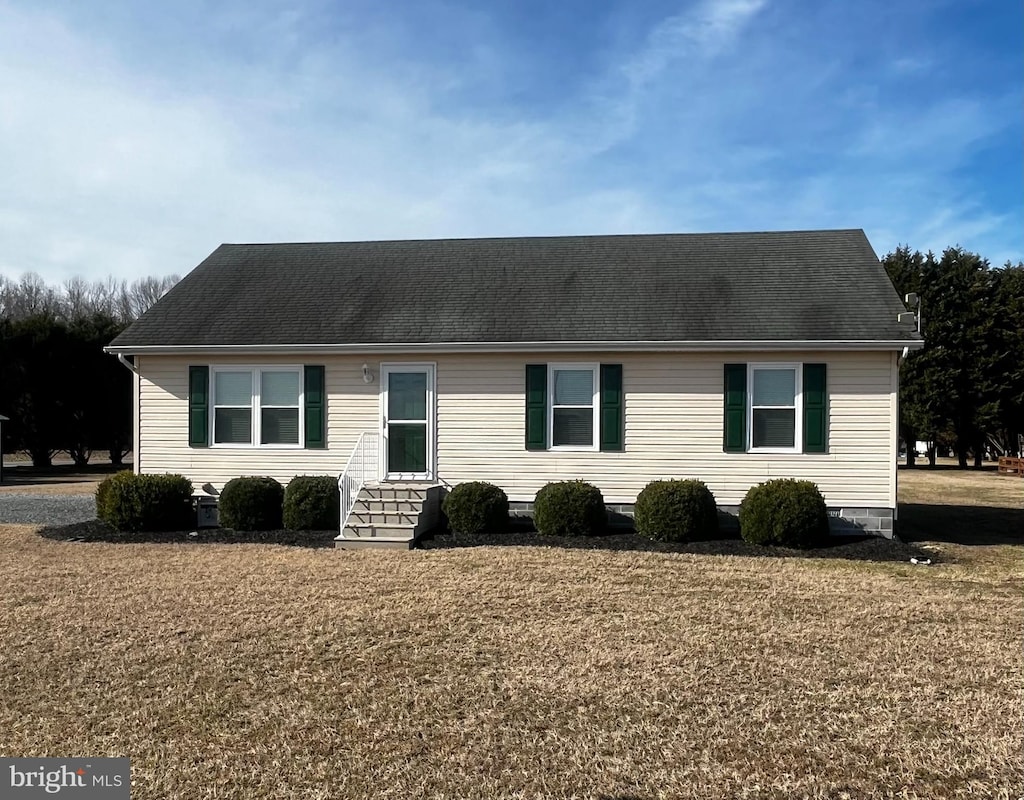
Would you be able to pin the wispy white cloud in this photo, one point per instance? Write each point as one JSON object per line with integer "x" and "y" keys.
{"x": 944, "y": 131}
{"x": 122, "y": 166}
{"x": 680, "y": 49}
{"x": 117, "y": 175}
{"x": 705, "y": 30}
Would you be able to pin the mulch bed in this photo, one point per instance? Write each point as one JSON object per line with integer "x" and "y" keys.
{"x": 96, "y": 531}
{"x": 867, "y": 548}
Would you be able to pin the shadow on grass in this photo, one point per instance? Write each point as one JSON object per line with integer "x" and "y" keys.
{"x": 96, "y": 531}
{"x": 27, "y": 475}
{"x": 988, "y": 466}
{"x": 969, "y": 525}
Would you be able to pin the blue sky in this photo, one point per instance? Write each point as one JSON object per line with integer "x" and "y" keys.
{"x": 136, "y": 137}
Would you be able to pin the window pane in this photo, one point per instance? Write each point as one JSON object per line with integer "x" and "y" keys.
{"x": 774, "y": 387}
{"x": 574, "y": 387}
{"x": 232, "y": 426}
{"x": 407, "y": 395}
{"x": 573, "y": 427}
{"x": 407, "y": 448}
{"x": 279, "y": 426}
{"x": 279, "y": 389}
{"x": 233, "y": 388}
{"x": 774, "y": 427}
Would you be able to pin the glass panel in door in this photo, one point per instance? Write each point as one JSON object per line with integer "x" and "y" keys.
{"x": 407, "y": 422}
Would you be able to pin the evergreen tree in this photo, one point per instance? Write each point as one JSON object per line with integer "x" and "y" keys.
{"x": 1008, "y": 366}
{"x": 967, "y": 383}
{"x": 960, "y": 332}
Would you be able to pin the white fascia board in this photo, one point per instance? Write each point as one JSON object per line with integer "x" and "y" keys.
{"x": 524, "y": 347}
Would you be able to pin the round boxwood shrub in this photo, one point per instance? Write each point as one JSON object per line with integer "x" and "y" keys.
{"x": 251, "y": 504}
{"x": 130, "y": 502}
{"x": 569, "y": 508}
{"x": 116, "y": 484}
{"x": 784, "y": 512}
{"x": 675, "y": 511}
{"x": 476, "y": 507}
{"x": 312, "y": 503}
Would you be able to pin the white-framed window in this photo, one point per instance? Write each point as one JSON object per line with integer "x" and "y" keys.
{"x": 774, "y": 408}
{"x": 573, "y": 401}
{"x": 256, "y": 406}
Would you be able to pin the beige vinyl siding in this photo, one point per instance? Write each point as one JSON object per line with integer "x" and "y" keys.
{"x": 673, "y": 419}
{"x": 351, "y": 404}
{"x": 673, "y": 416}
{"x": 894, "y": 436}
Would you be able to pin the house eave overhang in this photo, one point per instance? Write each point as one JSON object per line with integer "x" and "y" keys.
{"x": 374, "y": 348}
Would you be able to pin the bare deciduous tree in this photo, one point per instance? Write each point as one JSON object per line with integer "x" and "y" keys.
{"x": 77, "y": 298}
{"x": 59, "y": 388}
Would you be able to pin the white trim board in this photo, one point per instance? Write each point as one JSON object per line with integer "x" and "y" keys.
{"x": 748, "y": 345}
{"x": 428, "y": 368}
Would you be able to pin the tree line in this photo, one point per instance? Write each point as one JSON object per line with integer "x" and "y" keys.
{"x": 964, "y": 391}
{"x": 61, "y": 392}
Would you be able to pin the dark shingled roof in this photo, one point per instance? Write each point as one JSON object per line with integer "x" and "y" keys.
{"x": 800, "y": 285}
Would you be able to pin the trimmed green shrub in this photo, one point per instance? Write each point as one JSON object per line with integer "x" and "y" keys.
{"x": 675, "y": 511}
{"x": 784, "y": 512}
{"x": 569, "y": 508}
{"x": 251, "y": 504}
{"x": 476, "y": 507}
{"x": 130, "y": 502}
{"x": 312, "y": 503}
{"x": 105, "y": 494}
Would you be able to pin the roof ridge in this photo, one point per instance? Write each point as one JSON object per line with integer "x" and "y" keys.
{"x": 550, "y": 237}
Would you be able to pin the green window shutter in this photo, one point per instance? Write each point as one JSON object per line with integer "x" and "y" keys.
{"x": 198, "y": 406}
{"x": 315, "y": 412}
{"x": 734, "y": 439}
{"x": 815, "y": 408}
{"x": 536, "y": 406}
{"x": 612, "y": 427}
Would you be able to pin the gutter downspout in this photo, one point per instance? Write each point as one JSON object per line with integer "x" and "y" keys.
{"x": 137, "y": 412}
{"x": 124, "y": 360}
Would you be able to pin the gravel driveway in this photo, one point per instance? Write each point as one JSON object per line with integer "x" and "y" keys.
{"x": 46, "y": 509}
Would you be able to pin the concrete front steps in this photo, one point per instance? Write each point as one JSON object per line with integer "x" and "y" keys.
{"x": 390, "y": 516}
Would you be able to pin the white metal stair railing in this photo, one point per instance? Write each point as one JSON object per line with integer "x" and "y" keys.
{"x": 360, "y": 470}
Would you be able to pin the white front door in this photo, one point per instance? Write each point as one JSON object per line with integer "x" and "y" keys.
{"x": 407, "y": 421}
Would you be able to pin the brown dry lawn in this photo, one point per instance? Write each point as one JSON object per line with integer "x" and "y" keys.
{"x": 255, "y": 671}
{"x": 961, "y": 506}
{"x": 83, "y": 486}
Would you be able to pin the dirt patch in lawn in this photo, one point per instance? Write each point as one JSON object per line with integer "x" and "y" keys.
{"x": 262, "y": 671}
